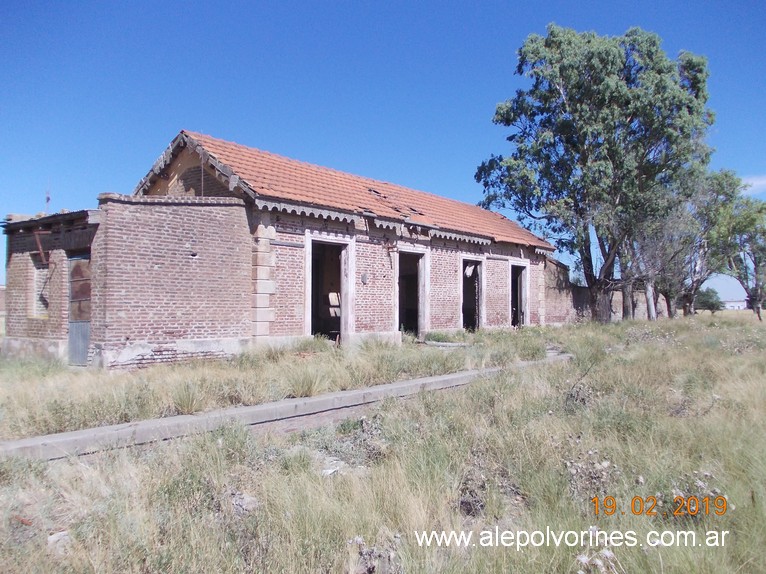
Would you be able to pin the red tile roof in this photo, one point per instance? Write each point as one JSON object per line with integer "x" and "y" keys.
{"x": 273, "y": 176}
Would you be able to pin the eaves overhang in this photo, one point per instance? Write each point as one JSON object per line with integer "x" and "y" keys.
{"x": 447, "y": 234}
{"x": 83, "y": 218}
{"x": 303, "y": 209}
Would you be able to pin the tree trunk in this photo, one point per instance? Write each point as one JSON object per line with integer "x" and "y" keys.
{"x": 600, "y": 305}
{"x": 627, "y": 301}
{"x": 688, "y": 303}
{"x": 670, "y": 303}
{"x": 651, "y": 309}
{"x": 757, "y": 310}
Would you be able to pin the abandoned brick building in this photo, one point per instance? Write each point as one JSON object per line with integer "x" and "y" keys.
{"x": 222, "y": 247}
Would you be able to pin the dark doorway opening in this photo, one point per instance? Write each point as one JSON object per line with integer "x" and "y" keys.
{"x": 326, "y": 290}
{"x": 471, "y": 294}
{"x": 517, "y": 296}
{"x": 409, "y": 292}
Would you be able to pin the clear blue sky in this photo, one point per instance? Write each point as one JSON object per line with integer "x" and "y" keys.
{"x": 92, "y": 92}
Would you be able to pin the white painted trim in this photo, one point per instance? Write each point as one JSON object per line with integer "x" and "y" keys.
{"x": 436, "y": 233}
{"x": 347, "y": 278}
{"x": 481, "y": 259}
{"x": 526, "y": 276}
{"x": 396, "y": 291}
{"x": 460, "y": 271}
{"x": 348, "y": 289}
{"x": 426, "y": 326}
{"x": 324, "y": 237}
{"x": 303, "y": 210}
{"x": 307, "y": 270}
{"x": 424, "y": 286}
{"x": 510, "y": 292}
{"x": 516, "y": 262}
{"x": 413, "y": 248}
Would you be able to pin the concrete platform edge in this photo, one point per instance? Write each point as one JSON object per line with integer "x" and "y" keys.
{"x": 87, "y": 441}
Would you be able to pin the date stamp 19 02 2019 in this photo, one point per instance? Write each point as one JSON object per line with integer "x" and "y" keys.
{"x": 648, "y": 506}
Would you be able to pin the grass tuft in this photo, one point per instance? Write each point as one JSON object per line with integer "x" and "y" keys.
{"x": 187, "y": 398}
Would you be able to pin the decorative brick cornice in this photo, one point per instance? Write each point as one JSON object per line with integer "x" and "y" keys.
{"x": 443, "y": 234}
{"x": 168, "y": 200}
{"x": 302, "y": 209}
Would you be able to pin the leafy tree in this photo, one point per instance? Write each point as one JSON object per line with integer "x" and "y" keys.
{"x": 597, "y": 142}
{"x": 708, "y": 300}
{"x": 745, "y": 235}
{"x": 687, "y": 248}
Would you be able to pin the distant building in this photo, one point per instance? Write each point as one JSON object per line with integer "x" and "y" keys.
{"x": 735, "y": 305}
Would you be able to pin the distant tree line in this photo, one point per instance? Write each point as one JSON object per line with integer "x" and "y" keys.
{"x": 608, "y": 161}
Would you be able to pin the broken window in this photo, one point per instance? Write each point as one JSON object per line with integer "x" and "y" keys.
{"x": 40, "y": 300}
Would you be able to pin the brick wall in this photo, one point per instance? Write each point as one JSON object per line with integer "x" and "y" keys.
{"x": 182, "y": 276}
{"x": 374, "y": 304}
{"x": 176, "y": 282}
{"x": 27, "y": 279}
{"x": 288, "y": 298}
{"x": 567, "y": 303}
{"x": 288, "y": 251}
{"x": 375, "y": 298}
{"x": 497, "y": 293}
{"x": 446, "y": 280}
{"x": 639, "y": 308}
{"x": 560, "y": 299}
{"x": 98, "y": 285}
{"x": 2, "y": 310}
{"x": 445, "y": 286}
{"x": 536, "y": 291}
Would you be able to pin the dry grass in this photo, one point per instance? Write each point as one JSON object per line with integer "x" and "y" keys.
{"x": 672, "y": 407}
{"x": 39, "y": 398}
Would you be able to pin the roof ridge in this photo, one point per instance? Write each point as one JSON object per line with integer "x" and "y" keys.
{"x": 194, "y": 135}
{"x": 333, "y": 170}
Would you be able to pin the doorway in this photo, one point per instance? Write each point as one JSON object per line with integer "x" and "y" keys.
{"x": 518, "y": 303}
{"x": 79, "y": 309}
{"x": 471, "y": 294}
{"x": 326, "y": 290}
{"x": 409, "y": 292}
